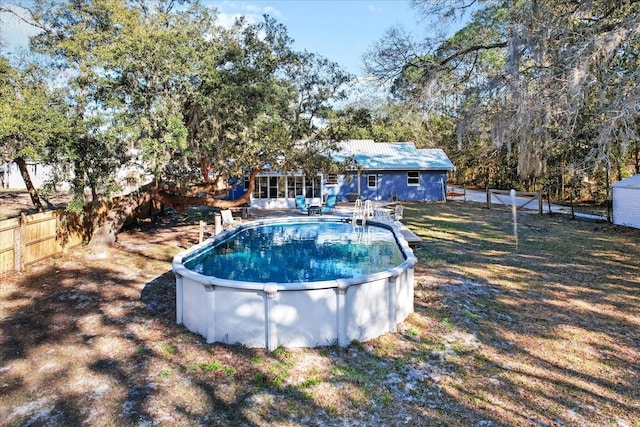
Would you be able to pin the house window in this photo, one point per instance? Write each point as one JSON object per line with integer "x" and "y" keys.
{"x": 282, "y": 187}
{"x": 413, "y": 178}
{"x": 273, "y": 186}
{"x": 295, "y": 186}
{"x": 269, "y": 187}
{"x": 372, "y": 181}
{"x": 278, "y": 187}
{"x": 261, "y": 190}
{"x": 332, "y": 179}
{"x": 313, "y": 186}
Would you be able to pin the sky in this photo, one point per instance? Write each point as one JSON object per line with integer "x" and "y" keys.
{"x": 13, "y": 32}
{"x": 340, "y": 30}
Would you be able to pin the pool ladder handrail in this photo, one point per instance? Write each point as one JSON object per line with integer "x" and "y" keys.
{"x": 362, "y": 212}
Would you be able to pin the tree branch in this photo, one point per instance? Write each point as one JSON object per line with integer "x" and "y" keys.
{"x": 471, "y": 49}
{"x": 16, "y": 11}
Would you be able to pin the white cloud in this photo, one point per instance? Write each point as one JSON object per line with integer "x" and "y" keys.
{"x": 227, "y": 20}
{"x": 250, "y": 10}
{"x": 272, "y": 11}
{"x": 229, "y": 11}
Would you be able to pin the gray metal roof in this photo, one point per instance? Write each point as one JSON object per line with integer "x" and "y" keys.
{"x": 631, "y": 182}
{"x": 393, "y": 156}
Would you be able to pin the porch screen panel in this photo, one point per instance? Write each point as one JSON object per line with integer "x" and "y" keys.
{"x": 273, "y": 187}
{"x": 313, "y": 186}
{"x": 295, "y": 186}
{"x": 282, "y": 187}
{"x": 261, "y": 191}
{"x": 291, "y": 187}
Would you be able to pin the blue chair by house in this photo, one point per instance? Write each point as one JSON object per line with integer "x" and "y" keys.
{"x": 331, "y": 203}
{"x": 301, "y": 204}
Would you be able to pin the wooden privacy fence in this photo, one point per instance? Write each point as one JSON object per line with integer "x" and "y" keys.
{"x": 504, "y": 197}
{"x": 30, "y": 238}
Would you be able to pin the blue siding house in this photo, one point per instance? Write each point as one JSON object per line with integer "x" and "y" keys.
{"x": 393, "y": 171}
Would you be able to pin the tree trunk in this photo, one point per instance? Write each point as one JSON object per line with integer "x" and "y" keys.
{"x": 22, "y": 165}
{"x": 106, "y": 229}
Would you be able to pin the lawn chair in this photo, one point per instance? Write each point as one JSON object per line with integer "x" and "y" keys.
{"x": 301, "y": 204}
{"x": 228, "y": 221}
{"x": 397, "y": 214}
{"x": 331, "y": 204}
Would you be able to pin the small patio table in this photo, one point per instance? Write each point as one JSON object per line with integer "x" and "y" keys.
{"x": 314, "y": 210}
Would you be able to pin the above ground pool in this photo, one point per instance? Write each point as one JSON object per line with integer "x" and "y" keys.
{"x": 296, "y": 283}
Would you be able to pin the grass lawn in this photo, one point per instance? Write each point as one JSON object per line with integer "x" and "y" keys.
{"x": 544, "y": 334}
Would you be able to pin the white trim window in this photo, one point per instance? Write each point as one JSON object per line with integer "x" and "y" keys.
{"x": 372, "y": 181}
{"x": 261, "y": 190}
{"x": 313, "y": 186}
{"x": 295, "y": 186}
{"x": 413, "y": 178}
{"x": 332, "y": 179}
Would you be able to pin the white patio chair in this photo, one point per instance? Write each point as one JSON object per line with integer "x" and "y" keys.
{"x": 228, "y": 221}
{"x": 397, "y": 214}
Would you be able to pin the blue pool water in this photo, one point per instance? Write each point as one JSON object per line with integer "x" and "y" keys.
{"x": 299, "y": 252}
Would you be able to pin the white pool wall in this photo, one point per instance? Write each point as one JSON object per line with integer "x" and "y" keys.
{"x": 307, "y": 314}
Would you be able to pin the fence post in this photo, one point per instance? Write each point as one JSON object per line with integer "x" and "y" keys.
{"x": 19, "y": 238}
{"x": 201, "y": 234}
{"x": 16, "y": 249}
{"x": 540, "y": 202}
{"x": 217, "y": 223}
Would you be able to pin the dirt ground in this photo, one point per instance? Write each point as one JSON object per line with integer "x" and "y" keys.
{"x": 546, "y": 335}
{"x": 12, "y": 204}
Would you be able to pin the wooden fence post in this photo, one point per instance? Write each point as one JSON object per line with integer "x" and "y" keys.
{"x": 16, "y": 249}
{"x": 540, "y": 202}
{"x": 20, "y": 235}
{"x": 201, "y": 235}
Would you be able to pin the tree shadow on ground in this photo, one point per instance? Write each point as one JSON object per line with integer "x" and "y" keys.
{"x": 499, "y": 337}
{"x": 556, "y": 318}
{"x": 91, "y": 338}
{"x": 359, "y": 384}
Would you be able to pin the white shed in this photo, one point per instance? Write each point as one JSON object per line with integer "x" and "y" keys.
{"x": 626, "y": 202}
